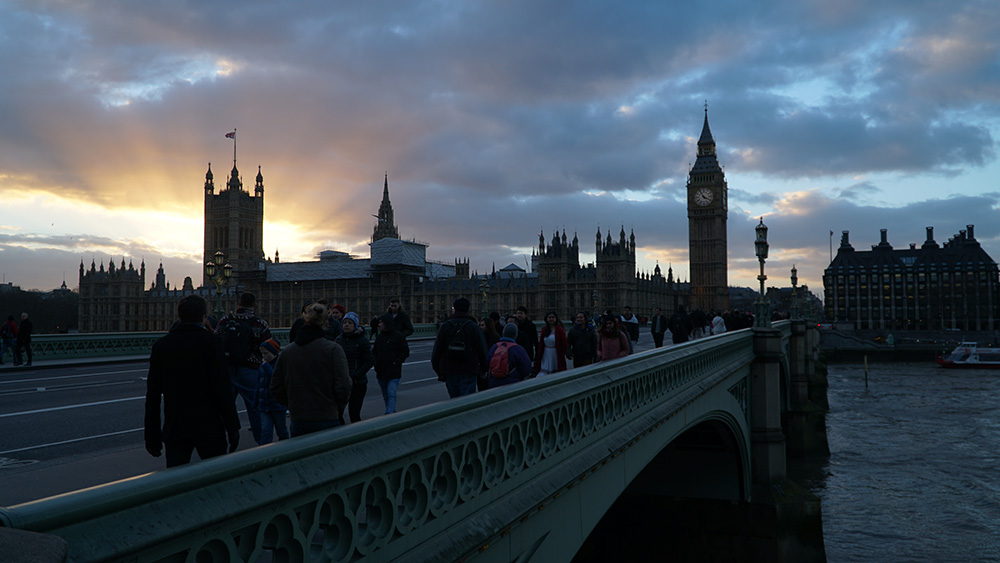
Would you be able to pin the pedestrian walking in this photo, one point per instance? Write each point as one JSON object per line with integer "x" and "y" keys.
{"x": 582, "y": 339}
{"x": 552, "y": 347}
{"x": 359, "y": 360}
{"x": 311, "y": 376}
{"x": 658, "y": 327}
{"x": 459, "y": 353}
{"x": 187, "y": 370}
{"x": 508, "y": 361}
{"x": 273, "y": 415}
{"x": 8, "y": 336}
{"x": 242, "y": 333}
{"x": 612, "y": 342}
{"x": 390, "y": 351}
{"x": 22, "y": 344}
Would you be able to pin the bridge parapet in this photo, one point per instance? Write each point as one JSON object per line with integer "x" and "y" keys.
{"x": 441, "y": 482}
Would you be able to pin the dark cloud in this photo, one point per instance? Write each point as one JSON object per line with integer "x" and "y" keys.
{"x": 496, "y": 119}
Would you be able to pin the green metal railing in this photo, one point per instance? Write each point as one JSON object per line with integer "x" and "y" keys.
{"x": 439, "y": 482}
{"x": 112, "y": 344}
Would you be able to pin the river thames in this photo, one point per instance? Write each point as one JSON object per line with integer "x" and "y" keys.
{"x": 913, "y": 472}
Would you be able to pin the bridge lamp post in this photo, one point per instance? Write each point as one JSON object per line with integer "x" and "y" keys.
{"x": 219, "y": 271}
{"x": 762, "y": 309}
{"x": 795, "y": 296}
{"x": 484, "y": 288}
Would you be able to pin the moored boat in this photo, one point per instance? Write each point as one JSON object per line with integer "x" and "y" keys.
{"x": 971, "y": 355}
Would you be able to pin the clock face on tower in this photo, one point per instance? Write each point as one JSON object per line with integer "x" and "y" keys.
{"x": 703, "y": 197}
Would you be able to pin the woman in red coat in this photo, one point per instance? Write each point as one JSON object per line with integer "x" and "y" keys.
{"x": 550, "y": 355}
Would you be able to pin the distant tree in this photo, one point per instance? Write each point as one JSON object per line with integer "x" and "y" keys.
{"x": 51, "y": 312}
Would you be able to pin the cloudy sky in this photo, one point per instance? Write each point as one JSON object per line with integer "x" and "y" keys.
{"x": 493, "y": 120}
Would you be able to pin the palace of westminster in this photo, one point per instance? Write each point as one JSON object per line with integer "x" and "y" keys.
{"x": 868, "y": 290}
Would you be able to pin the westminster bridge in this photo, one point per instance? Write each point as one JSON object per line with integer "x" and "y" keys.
{"x": 526, "y": 472}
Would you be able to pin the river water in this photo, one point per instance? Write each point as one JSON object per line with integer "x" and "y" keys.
{"x": 913, "y": 473}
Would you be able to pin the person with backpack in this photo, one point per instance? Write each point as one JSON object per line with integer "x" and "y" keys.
{"x": 390, "y": 351}
{"x": 242, "y": 333}
{"x": 680, "y": 325}
{"x": 612, "y": 342}
{"x": 459, "y": 353}
{"x": 508, "y": 360}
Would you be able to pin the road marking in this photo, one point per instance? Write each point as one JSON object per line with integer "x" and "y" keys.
{"x": 7, "y": 462}
{"x": 64, "y": 387}
{"x": 33, "y": 379}
{"x": 67, "y": 407}
{"x": 70, "y": 441}
{"x": 409, "y": 381}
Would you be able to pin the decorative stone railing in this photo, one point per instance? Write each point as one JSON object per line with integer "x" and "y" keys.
{"x": 437, "y": 483}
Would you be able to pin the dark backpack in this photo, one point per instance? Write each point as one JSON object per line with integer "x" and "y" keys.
{"x": 457, "y": 341}
{"x": 237, "y": 341}
{"x": 500, "y": 362}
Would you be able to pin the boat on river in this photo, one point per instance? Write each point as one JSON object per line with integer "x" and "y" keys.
{"x": 971, "y": 355}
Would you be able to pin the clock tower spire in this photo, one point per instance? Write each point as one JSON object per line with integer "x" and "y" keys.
{"x": 708, "y": 207}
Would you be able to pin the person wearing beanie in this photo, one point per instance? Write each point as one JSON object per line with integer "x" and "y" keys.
{"x": 359, "y": 360}
{"x": 312, "y": 377}
{"x": 459, "y": 353}
{"x": 390, "y": 351}
{"x": 519, "y": 364}
{"x": 273, "y": 415}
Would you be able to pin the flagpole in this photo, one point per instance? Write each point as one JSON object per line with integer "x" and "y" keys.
{"x": 234, "y": 147}
{"x": 831, "y": 246}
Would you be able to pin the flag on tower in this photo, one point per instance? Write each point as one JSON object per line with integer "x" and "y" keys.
{"x": 231, "y": 135}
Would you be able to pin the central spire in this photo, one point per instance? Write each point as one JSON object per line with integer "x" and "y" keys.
{"x": 385, "y": 227}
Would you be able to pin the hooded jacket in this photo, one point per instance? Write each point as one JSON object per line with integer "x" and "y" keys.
{"x": 312, "y": 377}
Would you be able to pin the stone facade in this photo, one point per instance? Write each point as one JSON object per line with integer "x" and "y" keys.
{"x": 931, "y": 287}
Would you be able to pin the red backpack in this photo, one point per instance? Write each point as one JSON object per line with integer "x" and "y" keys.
{"x": 500, "y": 362}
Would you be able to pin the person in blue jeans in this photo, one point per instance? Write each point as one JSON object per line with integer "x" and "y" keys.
{"x": 390, "y": 351}
{"x": 272, "y": 413}
{"x": 243, "y": 370}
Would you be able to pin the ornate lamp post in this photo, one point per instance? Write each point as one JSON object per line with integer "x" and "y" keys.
{"x": 484, "y": 288}
{"x": 795, "y": 297}
{"x": 219, "y": 271}
{"x": 762, "y": 308}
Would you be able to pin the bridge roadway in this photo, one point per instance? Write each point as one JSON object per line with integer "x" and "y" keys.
{"x": 521, "y": 473}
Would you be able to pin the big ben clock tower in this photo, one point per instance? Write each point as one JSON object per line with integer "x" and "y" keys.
{"x": 708, "y": 207}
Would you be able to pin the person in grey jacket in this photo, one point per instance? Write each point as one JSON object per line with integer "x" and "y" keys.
{"x": 312, "y": 377}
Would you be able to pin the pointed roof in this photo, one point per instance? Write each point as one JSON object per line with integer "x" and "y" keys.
{"x": 706, "y": 133}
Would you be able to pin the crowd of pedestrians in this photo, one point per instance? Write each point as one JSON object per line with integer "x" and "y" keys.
{"x": 201, "y": 368}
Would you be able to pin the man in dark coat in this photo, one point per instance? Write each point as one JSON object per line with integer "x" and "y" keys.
{"x": 23, "y": 345}
{"x": 459, "y": 353}
{"x": 390, "y": 351}
{"x": 680, "y": 325}
{"x": 400, "y": 320}
{"x": 658, "y": 326}
{"x": 527, "y": 333}
{"x": 187, "y": 368}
